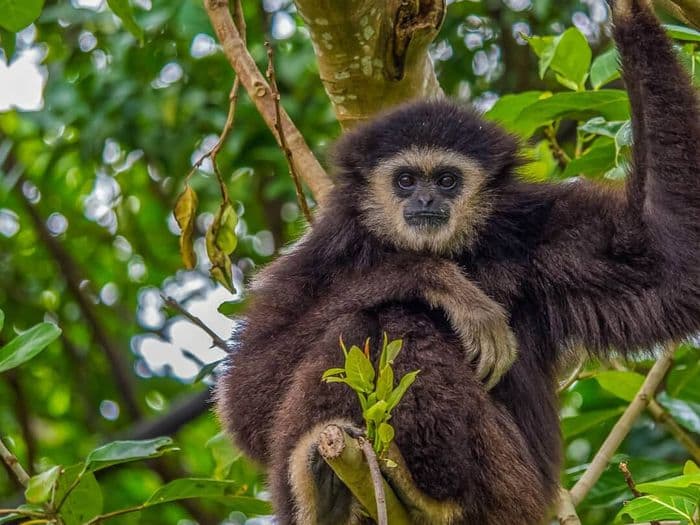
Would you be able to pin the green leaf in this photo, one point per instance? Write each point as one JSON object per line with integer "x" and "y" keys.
{"x": 8, "y": 42}
{"x": 332, "y": 372}
{"x": 2, "y": 320}
{"x": 597, "y": 160}
{"x": 386, "y": 433}
{"x": 232, "y": 309}
{"x": 334, "y": 379}
{"x": 27, "y": 345}
{"x": 224, "y": 454}
{"x": 682, "y": 33}
{"x": 691, "y": 467}
{"x": 600, "y": 126}
{"x": 385, "y": 382}
{"x": 623, "y": 139}
{"x": 544, "y": 47}
{"x": 656, "y": 508}
{"x": 118, "y": 452}
{"x": 684, "y": 381}
{"x": 624, "y": 385}
{"x": 359, "y": 371}
{"x": 507, "y": 108}
{"x": 576, "y": 425}
{"x": 605, "y": 68}
{"x": 85, "y": 500}
{"x": 686, "y": 413}
{"x": 392, "y": 351}
{"x": 376, "y": 412}
{"x": 686, "y": 486}
{"x": 40, "y": 487}
{"x": 18, "y": 14}
{"x": 220, "y": 490}
{"x": 568, "y": 55}
{"x": 123, "y": 10}
{"x": 207, "y": 370}
{"x": 398, "y": 393}
{"x": 572, "y": 58}
{"x": 10, "y": 518}
{"x": 220, "y": 241}
{"x": 612, "y": 104}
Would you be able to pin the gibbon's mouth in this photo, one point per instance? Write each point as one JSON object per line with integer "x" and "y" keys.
{"x": 429, "y": 219}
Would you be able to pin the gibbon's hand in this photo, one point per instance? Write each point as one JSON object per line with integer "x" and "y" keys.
{"x": 627, "y": 8}
{"x": 491, "y": 345}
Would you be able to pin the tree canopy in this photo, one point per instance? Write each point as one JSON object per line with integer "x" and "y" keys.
{"x": 125, "y": 245}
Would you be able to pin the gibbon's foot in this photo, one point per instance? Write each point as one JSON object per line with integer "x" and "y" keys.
{"x": 421, "y": 507}
{"x": 320, "y": 497}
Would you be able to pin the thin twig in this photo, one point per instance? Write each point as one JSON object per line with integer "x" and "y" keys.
{"x": 632, "y": 485}
{"x": 558, "y": 152}
{"x": 233, "y": 45}
{"x": 216, "y": 340}
{"x": 301, "y": 199}
{"x": 566, "y": 512}
{"x": 624, "y": 468}
{"x": 13, "y": 464}
{"x": 214, "y": 151}
{"x": 622, "y": 427}
{"x": 377, "y": 480}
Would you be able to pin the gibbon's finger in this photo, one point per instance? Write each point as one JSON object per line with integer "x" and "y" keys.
{"x": 506, "y": 354}
{"x": 486, "y": 357}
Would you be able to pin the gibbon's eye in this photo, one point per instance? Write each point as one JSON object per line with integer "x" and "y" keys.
{"x": 447, "y": 181}
{"x": 406, "y": 181}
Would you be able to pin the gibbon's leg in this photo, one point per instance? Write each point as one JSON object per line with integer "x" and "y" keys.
{"x": 305, "y": 490}
{"x": 479, "y": 321}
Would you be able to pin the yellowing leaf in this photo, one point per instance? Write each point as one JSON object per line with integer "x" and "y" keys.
{"x": 185, "y": 214}
{"x": 221, "y": 241}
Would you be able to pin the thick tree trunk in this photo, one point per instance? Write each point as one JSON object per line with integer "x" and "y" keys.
{"x": 373, "y": 54}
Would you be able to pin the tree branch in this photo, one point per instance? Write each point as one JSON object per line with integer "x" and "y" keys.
{"x": 216, "y": 340}
{"x": 345, "y": 456}
{"x": 301, "y": 199}
{"x": 13, "y": 464}
{"x": 661, "y": 415}
{"x": 623, "y": 426}
{"x": 373, "y": 54}
{"x": 257, "y": 87}
{"x": 566, "y": 512}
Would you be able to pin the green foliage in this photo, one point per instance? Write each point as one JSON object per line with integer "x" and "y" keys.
{"x": 669, "y": 499}
{"x": 73, "y": 494}
{"x": 377, "y": 398}
{"x": 18, "y": 14}
{"x": 568, "y": 55}
{"x": 26, "y": 345}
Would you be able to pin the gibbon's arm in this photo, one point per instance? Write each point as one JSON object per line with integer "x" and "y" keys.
{"x": 480, "y": 323}
{"x": 622, "y": 269}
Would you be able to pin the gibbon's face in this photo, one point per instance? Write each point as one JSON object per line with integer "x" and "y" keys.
{"x": 425, "y": 198}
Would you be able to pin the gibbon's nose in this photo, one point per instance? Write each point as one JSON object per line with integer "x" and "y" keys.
{"x": 425, "y": 199}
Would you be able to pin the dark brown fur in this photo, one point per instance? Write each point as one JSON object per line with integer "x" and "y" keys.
{"x": 572, "y": 263}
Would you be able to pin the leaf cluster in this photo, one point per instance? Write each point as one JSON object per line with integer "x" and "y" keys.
{"x": 376, "y": 389}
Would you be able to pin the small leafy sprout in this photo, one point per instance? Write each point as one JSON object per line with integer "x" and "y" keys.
{"x": 377, "y": 398}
